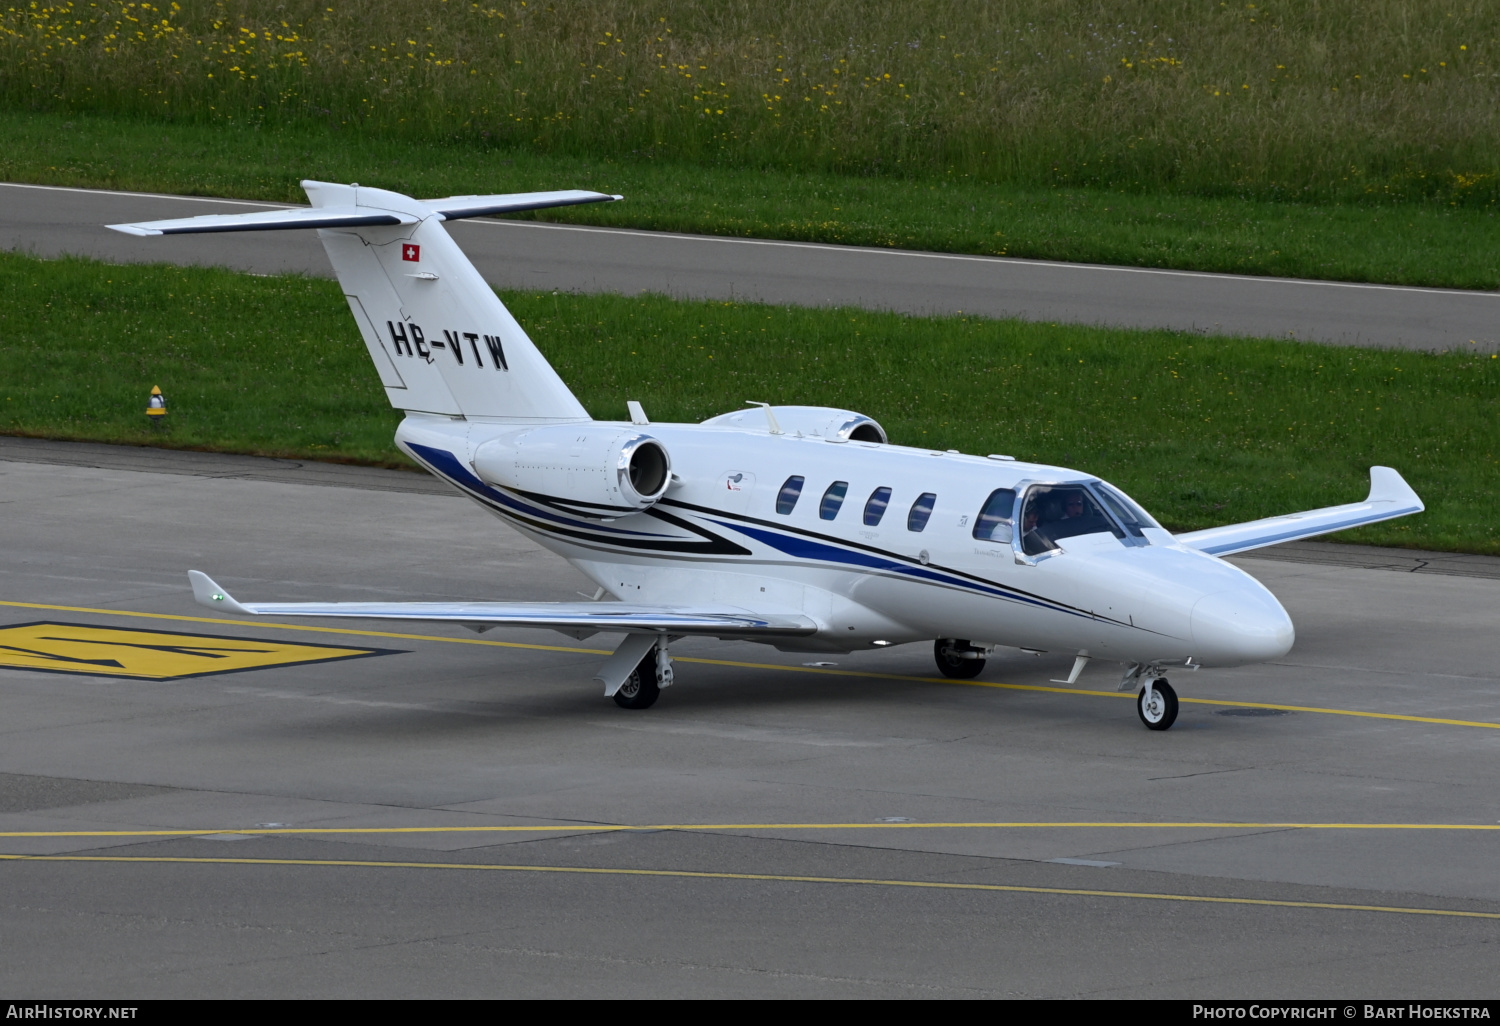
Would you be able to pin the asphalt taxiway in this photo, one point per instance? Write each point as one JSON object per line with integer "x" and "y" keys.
{"x": 455, "y": 815}
{"x": 50, "y": 221}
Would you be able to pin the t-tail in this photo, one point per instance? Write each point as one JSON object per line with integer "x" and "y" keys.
{"x": 440, "y": 338}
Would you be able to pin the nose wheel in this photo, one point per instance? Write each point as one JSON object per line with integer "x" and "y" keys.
{"x": 1157, "y": 704}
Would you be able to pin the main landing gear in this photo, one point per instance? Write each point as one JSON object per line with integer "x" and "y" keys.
{"x": 640, "y": 690}
{"x": 643, "y": 686}
{"x": 958, "y": 659}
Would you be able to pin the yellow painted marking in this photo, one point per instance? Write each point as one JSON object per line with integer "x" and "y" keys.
{"x": 149, "y": 655}
{"x": 682, "y": 874}
{"x": 304, "y": 627}
{"x": 1402, "y": 717}
{"x": 571, "y": 828}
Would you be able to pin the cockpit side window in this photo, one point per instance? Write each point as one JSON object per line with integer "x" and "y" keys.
{"x": 920, "y": 511}
{"x": 879, "y": 499}
{"x": 833, "y": 499}
{"x": 994, "y": 523}
{"x": 786, "y": 499}
{"x": 1055, "y": 512}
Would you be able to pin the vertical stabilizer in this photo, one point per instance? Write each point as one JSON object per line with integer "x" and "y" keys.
{"x": 447, "y": 336}
{"x": 441, "y": 340}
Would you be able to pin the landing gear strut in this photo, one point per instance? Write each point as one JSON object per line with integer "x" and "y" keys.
{"x": 1157, "y": 704}
{"x": 957, "y": 659}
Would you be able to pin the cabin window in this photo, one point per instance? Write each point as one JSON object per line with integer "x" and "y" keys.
{"x": 786, "y": 499}
{"x": 920, "y": 511}
{"x": 833, "y": 499}
{"x": 880, "y": 498}
{"x": 1055, "y": 512}
{"x": 994, "y": 523}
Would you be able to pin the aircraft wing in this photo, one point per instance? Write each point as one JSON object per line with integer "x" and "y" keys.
{"x": 571, "y": 617}
{"x": 1390, "y": 497}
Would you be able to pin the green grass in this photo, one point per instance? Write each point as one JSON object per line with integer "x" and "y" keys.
{"x": 1347, "y": 139}
{"x": 1202, "y": 431}
{"x": 1274, "y": 99}
{"x": 1408, "y": 243}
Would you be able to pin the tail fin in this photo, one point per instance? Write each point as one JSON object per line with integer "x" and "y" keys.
{"x": 440, "y": 338}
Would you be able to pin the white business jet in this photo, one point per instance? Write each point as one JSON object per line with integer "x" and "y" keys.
{"x": 797, "y": 526}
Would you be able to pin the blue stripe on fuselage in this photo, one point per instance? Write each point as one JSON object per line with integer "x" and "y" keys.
{"x": 801, "y": 547}
{"x": 446, "y": 465}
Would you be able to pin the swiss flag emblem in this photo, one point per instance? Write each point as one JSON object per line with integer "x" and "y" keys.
{"x": 411, "y": 252}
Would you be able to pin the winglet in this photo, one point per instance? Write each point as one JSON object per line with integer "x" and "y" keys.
{"x": 209, "y": 594}
{"x": 1386, "y": 485}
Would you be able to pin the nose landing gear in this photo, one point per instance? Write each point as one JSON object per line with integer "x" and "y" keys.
{"x": 1157, "y": 704}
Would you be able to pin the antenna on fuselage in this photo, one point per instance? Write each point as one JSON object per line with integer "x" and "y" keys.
{"x": 770, "y": 415}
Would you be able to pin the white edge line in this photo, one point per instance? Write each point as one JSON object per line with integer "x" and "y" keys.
{"x": 824, "y": 247}
{"x": 148, "y": 195}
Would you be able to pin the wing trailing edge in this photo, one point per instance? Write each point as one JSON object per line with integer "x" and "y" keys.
{"x": 1390, "y": 497}
{"x": 570, "y": 617}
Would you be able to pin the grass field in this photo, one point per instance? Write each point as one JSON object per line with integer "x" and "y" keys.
{"x": 1348, "y": 139}
{"x": 1202, "y": 431}
{"x": 1426, "y": 243}
{"x": 1273, "y": 99}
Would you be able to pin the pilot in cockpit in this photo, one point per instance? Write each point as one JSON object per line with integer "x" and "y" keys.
{"x": 1072, "y": 506}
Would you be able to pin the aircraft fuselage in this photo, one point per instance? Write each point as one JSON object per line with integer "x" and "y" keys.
{"x": 717, "y": 537}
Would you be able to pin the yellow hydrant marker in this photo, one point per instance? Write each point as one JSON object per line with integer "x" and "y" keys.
{"x": 156, "y": 406}
{"x": 152, "y": 655}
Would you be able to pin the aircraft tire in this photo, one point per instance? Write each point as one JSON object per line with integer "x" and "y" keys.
{"x": 1163, "y": 711}
{"x": 640, "y": 690}
{"x": 950, "y": 665}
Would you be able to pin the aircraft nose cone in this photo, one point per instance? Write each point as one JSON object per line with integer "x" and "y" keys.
{"x": 1242, "y": 626}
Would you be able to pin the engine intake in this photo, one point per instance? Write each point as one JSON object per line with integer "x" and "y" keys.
{"x": 591, "y": 470}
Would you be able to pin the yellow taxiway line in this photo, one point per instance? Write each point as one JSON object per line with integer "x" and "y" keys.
{"x": 573, "y": 828}
{"x": 776, "y": 878}
{"x": 868, "y": 675}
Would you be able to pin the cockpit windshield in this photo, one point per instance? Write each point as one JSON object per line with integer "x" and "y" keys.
{"x": 1055, "y": 512}
{"x": 1123, "y": 507}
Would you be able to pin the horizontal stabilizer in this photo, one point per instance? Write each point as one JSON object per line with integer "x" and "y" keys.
{"x": 455, "y": 207}
{"x": 452, "y": 208}
{"x": 271, "y": 221}
{"x": 725, "y": 621}
{"x": 1390, "y": 497}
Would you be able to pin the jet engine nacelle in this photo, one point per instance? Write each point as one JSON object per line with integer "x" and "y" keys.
{"x": 812, "y": 421}
{"x": 593, "y": 470}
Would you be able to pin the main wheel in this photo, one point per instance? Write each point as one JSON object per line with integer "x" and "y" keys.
{"x": 1161, "y": 712}
{"x": 640, "y": 690}
{"x": 951, "y": 664}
